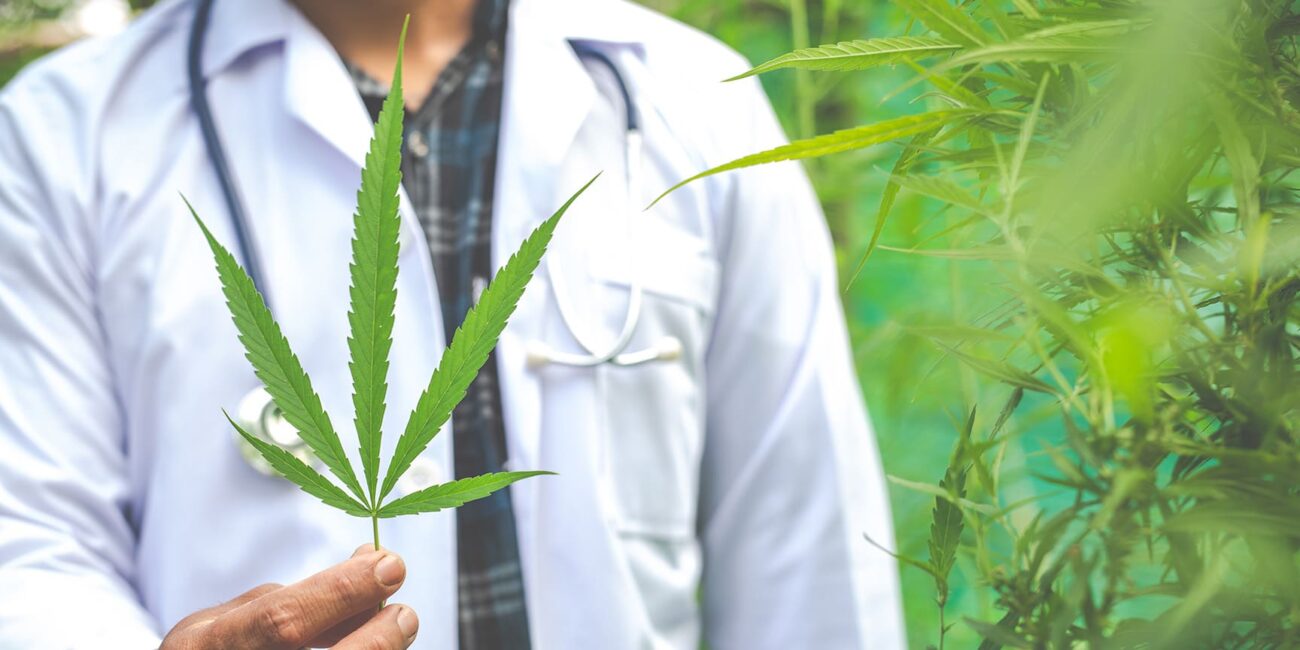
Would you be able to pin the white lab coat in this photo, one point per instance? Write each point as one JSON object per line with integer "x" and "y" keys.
{"x": 747, "y": 465}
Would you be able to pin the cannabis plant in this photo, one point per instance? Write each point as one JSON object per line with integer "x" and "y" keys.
{"x": 1122, "y": 170}
{"x": 373, "y": 296}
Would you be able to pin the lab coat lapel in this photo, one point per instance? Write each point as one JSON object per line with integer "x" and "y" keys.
{"x": 320, "y": 93}
{"x": 548, "y": 95}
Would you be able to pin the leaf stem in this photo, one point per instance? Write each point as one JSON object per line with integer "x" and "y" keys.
{"x": 943, "y": 627}
{"x": 374, "y": 526}
{"x": 804, "y": 99}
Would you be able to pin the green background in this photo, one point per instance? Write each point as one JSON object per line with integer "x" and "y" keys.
{"x": 915, "y": 398}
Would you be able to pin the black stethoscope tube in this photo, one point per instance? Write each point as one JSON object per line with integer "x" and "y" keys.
{"x": 215, "y": 147}
{"x": 586, "y": 51}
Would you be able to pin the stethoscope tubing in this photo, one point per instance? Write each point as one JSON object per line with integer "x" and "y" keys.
{"x": 216, "y": 149}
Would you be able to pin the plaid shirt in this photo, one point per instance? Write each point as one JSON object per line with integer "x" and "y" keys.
{"x": 448, "y": 168}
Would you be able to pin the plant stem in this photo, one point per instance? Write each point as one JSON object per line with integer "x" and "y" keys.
{"x": 374, "y": 526}
{"x": 943, "y": 628}
{"x": 803, "y": 93}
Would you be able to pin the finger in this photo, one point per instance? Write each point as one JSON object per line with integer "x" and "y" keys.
{"x": 298, "y": 613}
{"x": 208, "y": 615}
{"x": 394, "y": 628}
{"x": 338, "y": 632}
{"x": 246, "y": 597}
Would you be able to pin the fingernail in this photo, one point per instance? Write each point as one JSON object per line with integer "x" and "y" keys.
{"x": 407, "y": 622}
{"x": 389, "y": 571}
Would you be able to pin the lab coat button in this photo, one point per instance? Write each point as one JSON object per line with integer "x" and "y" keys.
{"x": 424, "y": 473}
{"x": 416, "y": 144}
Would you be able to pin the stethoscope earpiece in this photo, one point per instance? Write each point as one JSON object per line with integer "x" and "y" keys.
{"x": 668, "y": 348}
{"x": 538, "y": 355}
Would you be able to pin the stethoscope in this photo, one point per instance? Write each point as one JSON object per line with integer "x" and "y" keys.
{"x": 259, "y": 415}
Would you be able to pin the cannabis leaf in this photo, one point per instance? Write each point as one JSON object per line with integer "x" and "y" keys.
{"x": 469, "y": 348}
{"x": 947, "y": 20}
{"x": 856, "y": 55}
{"x": 373, "y": 296}
{"x": 277, "y": 366}
{"x": 839, "y": 141}
{"x": 374, "y": 275}
{"x": 450, "y": 495}
{"x": 302, "y": 474}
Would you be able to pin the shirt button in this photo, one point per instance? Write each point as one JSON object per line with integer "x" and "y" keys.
{"x": 417, "y": 145}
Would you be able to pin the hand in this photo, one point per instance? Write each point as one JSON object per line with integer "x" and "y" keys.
{"x": 339, "y": 607}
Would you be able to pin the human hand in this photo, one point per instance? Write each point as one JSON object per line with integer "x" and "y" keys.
{"x": 340, "y": 607}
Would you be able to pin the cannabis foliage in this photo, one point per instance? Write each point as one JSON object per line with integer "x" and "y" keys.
{"x": 1123, "y": 168}
{"x": 373, "y": 297}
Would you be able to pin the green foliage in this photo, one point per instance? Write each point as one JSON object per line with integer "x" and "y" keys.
{"x": 846, "y": 140}
{"x": 17, "y": 15}
{"x": 855, "y": 55}
{"x": 1122, "y": 169}
{"x": 945, "y": 19}
{"x": 946, "y": 525}
{"x": 373, "y": 296}
{"x": 13, "y": 61}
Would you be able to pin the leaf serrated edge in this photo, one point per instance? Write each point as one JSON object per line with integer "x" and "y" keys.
{"x": 470, "y": 346}
{"x": 854, "y": 55}
{"x": 302, "y": 475}
{"x": 305, "y": 413}
{"x": 836, "y": 142}
{"x": 373, "y": 289}
{"x": 453, "y": 494}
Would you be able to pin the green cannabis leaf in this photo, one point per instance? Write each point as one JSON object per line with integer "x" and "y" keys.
{"x": 374, "y": 275}
{"x": 839, "y": 141}
{"x": 948, "y": 21}
{"x": 373, "y": 296}
{"x": 856, "y": 55}
{"x": 469, "y": 348}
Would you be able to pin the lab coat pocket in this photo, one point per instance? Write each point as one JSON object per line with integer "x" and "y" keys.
{"x": 652, "y": 415}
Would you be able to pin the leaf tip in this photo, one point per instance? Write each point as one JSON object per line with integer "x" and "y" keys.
{"x": 401, "y": 50}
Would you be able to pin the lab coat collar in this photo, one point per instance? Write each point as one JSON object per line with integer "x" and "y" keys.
{"x": 320, "y": 93}
{"x": 547, "y": 97}
{"x": 239, "y": 26}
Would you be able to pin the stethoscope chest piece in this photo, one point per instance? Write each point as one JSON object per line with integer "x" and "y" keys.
{"x": 260, "y": 417}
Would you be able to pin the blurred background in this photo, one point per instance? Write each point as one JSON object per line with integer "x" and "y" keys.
{"x": 917, "y": 399}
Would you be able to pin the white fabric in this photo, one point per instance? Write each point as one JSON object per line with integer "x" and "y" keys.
{"x": 747, "y": 464}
